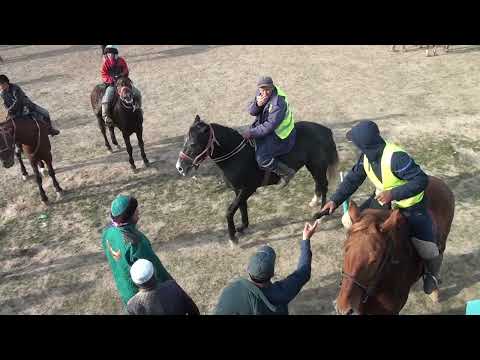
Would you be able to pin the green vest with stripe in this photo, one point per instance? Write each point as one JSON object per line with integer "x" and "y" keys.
{"x": 389, "y": 180}
{"x": 287, "y": 124}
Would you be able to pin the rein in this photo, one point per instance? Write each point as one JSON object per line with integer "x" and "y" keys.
{"x": 370, "y": 289}
{"x": 212, "y": 140}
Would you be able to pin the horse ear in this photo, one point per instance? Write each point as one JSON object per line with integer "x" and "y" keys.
{"x": 392, "y": 222}
{"x": 353, "y": 212}
{"x": 197, "y": 119}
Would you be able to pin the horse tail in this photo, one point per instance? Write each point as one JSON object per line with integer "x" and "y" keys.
{"x": 332, "y": 158}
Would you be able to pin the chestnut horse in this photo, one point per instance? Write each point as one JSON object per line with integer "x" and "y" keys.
{"x": 32, "y": 134}
{"x": 380, "y": 263}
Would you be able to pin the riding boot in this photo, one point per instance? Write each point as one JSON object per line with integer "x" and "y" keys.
{"x": 285, "y": 173}
{"x": 431, "y": 278}
{"x": 106, "y": 114}
{"x": 432, "y": 258}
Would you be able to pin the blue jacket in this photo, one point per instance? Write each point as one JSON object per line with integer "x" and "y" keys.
{"x": 269, "y": 116}
{"x": 402, "y": 166}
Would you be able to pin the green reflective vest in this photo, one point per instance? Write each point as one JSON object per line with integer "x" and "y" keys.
{"x": 287, "y": 124}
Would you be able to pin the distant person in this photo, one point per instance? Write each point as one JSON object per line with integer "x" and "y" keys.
{"x": 257, "y": 295}
{"x": 18, "y": 104}
{"x": 114, "y": 67}
{"x": 154, "y": 298}
{"x": 123, "y": 244}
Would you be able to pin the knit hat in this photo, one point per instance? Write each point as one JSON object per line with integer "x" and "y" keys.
{"x": 265, "y": 81}
{"x": 123, "y": 207}
{"x": 141, "y": 271}
{"x": 261, "y": 266}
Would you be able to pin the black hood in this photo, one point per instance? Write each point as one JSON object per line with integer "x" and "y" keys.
{"x": 366, "y": 136}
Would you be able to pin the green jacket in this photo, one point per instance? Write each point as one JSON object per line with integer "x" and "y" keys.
{"x": 242, "y": 297}
{"x": 122, "y": 247}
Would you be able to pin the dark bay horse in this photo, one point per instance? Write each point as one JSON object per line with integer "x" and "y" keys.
{"x": 32, "y": 134}
{"x": 380, "y": 263}
{"x": 314, "y": 149}
{"x": 125, "y": 115}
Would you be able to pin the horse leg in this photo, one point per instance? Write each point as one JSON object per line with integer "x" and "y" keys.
{"x": 244, "y": 210}
{"x": 232, "y": 209}
{"x": 18, "y": 153}
{"x": 56, "y": 185}
{"x": 101, "y": 125}
{"x": 113, "y": 137}
{"x": 38, "y": 178}
{"x": 139, "y": 134}
{"x": 43, "y": 171}
{"x": 128, "y": 145}
{"x": 319, "y": 174}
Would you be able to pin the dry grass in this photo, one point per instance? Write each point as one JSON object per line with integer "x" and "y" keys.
{"x": 55, "y": 265}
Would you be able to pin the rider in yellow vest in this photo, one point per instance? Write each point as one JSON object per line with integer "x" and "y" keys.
{"x": 274, "y": 128}
{"x": 399, "y": 183}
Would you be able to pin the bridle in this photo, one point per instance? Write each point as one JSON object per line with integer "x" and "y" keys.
{"x": 210, "y": 147}
{"x": 127, "y": 104}
{"x": 370, "y": 288}
{"x": 4, "y": 131}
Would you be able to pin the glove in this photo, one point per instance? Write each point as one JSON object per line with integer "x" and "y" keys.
{"x": 247, "y": 135}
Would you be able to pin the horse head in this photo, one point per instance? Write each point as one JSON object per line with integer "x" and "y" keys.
{"x": 124, "y": 89}
{"x": 198, "y": 144}
{"x": 368, "y": 248}
{"x": 7, "y": 146}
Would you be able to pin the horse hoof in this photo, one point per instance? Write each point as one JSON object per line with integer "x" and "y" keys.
{"x": 59, "y": 195}
{"x": 435, "y": 296}
{"x": 313, "y": 203}
{"x": 24, "y": 177}
{"x": 45, "y": 203}
{"x": 233, "y": 243}
{"x": 146, "y": 163}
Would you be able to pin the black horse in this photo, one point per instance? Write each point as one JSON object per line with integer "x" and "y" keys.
{"x": 125, "y": 115}
{"x": 314, "y": 148}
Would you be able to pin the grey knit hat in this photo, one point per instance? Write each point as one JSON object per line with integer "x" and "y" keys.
{"x": 262, "y": 264}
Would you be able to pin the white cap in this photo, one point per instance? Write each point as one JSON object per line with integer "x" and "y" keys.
{"x": 141, "y": 271}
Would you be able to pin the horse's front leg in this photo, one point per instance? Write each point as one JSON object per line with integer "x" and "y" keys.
{"x": 141, "y": 145}
{"x": 18, "y": 153}
{"x": 244, "y": 210}
{"x": 56, "y": 185}
{"x": 38, "y": 179}
{"x": 128, "y": 145}
{"x": 232, "y": 209}
{"x": 111, "y": 129}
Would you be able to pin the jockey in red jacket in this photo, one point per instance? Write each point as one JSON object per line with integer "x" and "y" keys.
{"x": 113, "y": 67}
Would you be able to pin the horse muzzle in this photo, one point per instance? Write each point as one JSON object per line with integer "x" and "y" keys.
{"x": 183, "y": 168}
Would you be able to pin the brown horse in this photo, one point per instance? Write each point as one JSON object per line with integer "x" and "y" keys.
{"x": 32, "y": 134}
{"x": 380, "y": 263}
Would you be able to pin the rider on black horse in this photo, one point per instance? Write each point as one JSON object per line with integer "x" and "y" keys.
{"x": 114, "y": 67}
{"x": 273, "y": 130}
{"x": 18, "y": 104}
